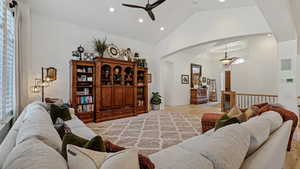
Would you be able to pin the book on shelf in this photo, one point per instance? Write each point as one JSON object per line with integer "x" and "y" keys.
{"x": 85, "y": 108}
{"x": 85, "y": 70}
{"x": 85, "y": 91}
{"x": 85, "y": 99}
{"x": 85, "y": 78}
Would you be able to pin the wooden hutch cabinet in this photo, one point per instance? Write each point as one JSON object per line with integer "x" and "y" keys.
{"x": 120, "y": 89}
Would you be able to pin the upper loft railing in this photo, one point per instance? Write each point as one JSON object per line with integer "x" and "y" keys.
{"x": 244, "y": 100}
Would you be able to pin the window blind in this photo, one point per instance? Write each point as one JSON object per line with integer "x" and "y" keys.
{"x": 7, "y": 60}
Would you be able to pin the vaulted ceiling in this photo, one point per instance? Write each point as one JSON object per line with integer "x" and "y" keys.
{"x": 123, "y": 21}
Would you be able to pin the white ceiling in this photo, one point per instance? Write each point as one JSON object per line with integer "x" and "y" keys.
{"x": 124, "y": 21}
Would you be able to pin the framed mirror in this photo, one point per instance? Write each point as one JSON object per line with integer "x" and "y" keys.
{"x": 196, "y": 73}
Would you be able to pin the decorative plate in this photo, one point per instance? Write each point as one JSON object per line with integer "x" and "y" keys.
{"x": 113, "y": 51}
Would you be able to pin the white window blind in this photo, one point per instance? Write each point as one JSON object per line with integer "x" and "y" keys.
{"x": 7, "y": 60}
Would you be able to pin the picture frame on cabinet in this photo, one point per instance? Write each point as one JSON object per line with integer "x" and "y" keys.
{"x": 185, "y": 79}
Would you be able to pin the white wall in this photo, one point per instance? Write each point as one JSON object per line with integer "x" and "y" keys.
{"x": 52, "y": 44}
{"x": 176, "y": 93}
{"x": 208, "y": 26}
{"x": 259, "y": 74}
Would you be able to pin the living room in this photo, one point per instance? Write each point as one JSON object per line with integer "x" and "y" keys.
{"x": 147, "y": 85}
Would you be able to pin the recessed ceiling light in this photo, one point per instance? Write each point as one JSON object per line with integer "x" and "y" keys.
{"x": 111, "y": 9}
{"x": 162, "y": 28}
{"x": 222, "y": 1}
{"x": 141, "y": 20}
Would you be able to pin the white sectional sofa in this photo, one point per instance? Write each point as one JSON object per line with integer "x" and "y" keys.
{"x": 33, "y": 143}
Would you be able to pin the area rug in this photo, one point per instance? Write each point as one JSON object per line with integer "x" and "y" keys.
{"x": 151, "y": 132}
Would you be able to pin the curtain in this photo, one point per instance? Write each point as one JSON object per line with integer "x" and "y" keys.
{"x": 23, "y": 52}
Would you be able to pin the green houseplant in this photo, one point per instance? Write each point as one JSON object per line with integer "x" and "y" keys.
{"x": 100, "y": 46}
{"x": 155, "y": 101}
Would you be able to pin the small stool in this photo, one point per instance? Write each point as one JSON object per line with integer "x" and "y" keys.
{"x": 208, "y": 121}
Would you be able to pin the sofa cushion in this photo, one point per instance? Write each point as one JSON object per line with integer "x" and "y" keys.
{"x": 95, "y": 143}
{"x": 74, "y": 123}
{"x": 79, "y": 158}
{"x": 272, "y": 154}
{"x": 84, "y": 132}
{"x": 44, "y": 132}
{"x": 34, "y": 154}
{"x": 275, "y": 119}
{"x": 37, "y": 114}
{"x": 259, "y": 129}
{"x": 226, "y": 148}
{"x": 176, "y": 157}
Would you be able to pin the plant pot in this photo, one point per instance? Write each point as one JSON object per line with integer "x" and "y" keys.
{"x": 155, "y": 107}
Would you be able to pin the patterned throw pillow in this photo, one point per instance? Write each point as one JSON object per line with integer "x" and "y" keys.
{"x": 79, "y": 158}
{"x": 236, "y": 112}
{"x": 95, "y": 143}
{"x": 61, "y": 128}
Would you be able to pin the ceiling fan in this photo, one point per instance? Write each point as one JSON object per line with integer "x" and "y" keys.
{"x": 148, "y": 8}
{"x": 228, "y": 61}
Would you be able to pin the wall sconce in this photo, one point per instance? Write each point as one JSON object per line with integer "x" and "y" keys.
{"x": 48, "y": 75}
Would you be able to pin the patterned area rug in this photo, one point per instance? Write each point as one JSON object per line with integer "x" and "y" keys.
{"x": 150, "y": 132}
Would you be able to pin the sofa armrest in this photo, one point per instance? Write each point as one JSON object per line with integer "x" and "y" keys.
{"x": 145, "y": 162}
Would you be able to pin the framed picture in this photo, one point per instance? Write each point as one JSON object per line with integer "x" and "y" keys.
{"x": 149, "y": 77}
{"x": 203, "y": 79}
{"x": 185, "y": 79}
{"x": 208, "y": 82}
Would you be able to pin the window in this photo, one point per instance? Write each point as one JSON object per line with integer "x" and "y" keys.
{"x": 7, "y": 60}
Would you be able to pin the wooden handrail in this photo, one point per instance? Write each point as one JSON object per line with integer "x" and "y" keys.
{"x": 264, "y": 95}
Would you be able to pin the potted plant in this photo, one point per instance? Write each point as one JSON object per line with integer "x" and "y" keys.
{"x": 155, "y": 101}
{"x": 100, "y": 46}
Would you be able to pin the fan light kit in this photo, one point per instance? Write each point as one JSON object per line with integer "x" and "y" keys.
{"x": 111, "y": 9}
{"x": 228, "y": 61}
{"x": 148, "y": 8}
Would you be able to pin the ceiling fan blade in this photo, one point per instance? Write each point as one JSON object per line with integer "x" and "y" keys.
{"x": 133, "y": 6}
{"x": 157, "y": 3}
{"x": 151, "y": 14}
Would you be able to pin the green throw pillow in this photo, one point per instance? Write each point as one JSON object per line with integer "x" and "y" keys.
{"x": 226, "y": 120}
{"x": 59, "y": 112}
{"x": 95, "y": 143}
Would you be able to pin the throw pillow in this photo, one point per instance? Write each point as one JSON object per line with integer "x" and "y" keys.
{"x": 59, "y": 112}
{"x": 236, "y": 112}
{"x": 95, "y": 143}
{"x": 145, "y": 162}
{"x": 79, "y": 158}
{"x": 61, "y": 128}
{"x": 250, "y": 112}
{"x": 225, "y": 120}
